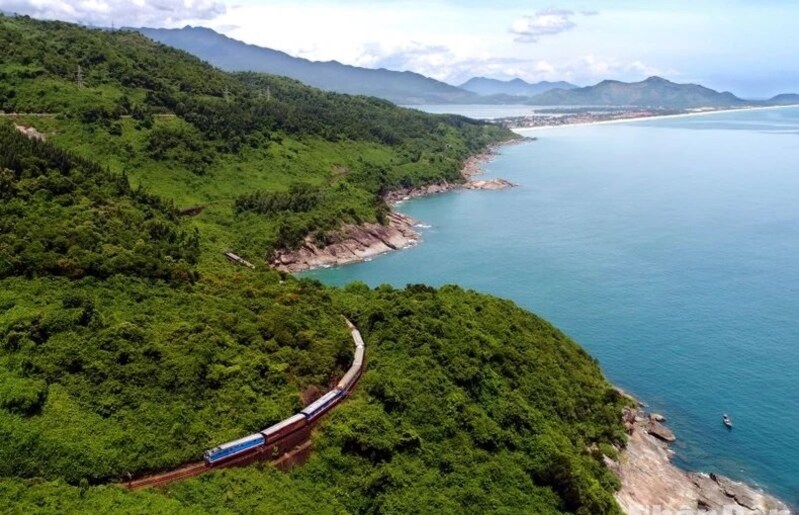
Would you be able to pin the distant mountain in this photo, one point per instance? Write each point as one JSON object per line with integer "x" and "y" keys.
{"x": 652, "y": 92}
{"x": 515, "y": 87}
{"x": 232, "y": 55}
{"x": 784, "y": 99}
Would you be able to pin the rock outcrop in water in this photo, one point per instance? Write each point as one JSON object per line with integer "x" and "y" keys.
{"x": 443, "y": 187}
{"x": 473, "y": 166}
{"x": 658, "y": 430}
{"x": 349, "y": 244}
{"x": 353, "y": 243}
{"x": 652, "y": 485}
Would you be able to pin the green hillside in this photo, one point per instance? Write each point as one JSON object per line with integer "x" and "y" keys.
{"x": 128, "y": 344}
{"x": 202, "y": 137}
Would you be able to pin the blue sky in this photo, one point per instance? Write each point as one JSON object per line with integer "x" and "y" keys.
{"x": 748, "y": 47}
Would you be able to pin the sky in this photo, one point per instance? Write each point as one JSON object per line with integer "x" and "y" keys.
{"x": 749, "y": 47}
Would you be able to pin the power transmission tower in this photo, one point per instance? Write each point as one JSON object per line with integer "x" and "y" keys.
{"x": 79, "y": 77}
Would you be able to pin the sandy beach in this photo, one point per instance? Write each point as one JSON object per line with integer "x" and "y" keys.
{"x": 526, "y": 131}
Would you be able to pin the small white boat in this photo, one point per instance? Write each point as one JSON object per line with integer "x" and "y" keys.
{"x": 727, "y": 421}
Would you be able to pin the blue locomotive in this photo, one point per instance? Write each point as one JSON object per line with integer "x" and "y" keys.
{"x": 234, "y": 448}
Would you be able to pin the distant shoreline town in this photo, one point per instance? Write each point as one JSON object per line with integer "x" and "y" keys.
{"x": 558, "y": 117}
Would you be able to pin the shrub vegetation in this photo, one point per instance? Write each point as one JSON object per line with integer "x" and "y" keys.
{"x": 129, "y": 345}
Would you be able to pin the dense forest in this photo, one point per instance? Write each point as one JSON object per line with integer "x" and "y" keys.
{"x": 140, "y": 108}
{"x": 128, "y": 344}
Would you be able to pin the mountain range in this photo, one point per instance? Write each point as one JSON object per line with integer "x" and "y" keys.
{"x": 515, "y": 87}
{"x": 785, "y": 99}
{"x": 231, "y": 55}
{"x": 652, "y": 92}
{"x": 410, "y": 88}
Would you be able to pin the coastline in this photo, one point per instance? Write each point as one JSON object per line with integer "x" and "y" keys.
{"x": 356, "y": 243}
{"x": 350, "y": 244}
{"x": 472, "y": 167}
{"x": 651, "y": 484}
{"x": 525, "y": 130}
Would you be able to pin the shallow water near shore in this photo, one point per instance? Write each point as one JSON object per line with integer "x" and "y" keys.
{"x": 669, "y": 249}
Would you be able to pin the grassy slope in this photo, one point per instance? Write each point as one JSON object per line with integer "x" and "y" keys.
{"x": 233, "y": 134}
{"x": 469, "y": 403}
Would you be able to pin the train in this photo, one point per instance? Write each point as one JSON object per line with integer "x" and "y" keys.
{"x": 276, "y": 432}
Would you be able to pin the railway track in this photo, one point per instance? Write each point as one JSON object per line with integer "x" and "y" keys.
{"x": 284, "y": 452}
{"x": 187, "y": 471}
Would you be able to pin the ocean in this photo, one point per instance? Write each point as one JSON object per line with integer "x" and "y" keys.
{"x": 668, "y": 248}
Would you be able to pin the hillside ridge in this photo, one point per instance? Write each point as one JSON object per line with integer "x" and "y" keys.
{"x": 401, "y": 87}
{"x": 651, "y": 92}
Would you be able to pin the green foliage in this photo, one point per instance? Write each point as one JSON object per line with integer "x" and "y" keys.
{"x": 469, "y": 403}
{"x": 142, "y": 108}
{"x": 300, "y": 198}
{"x": 62, "y": 215}
{"x": 144, "y": 377}
{"x": 466, "y": 386}
{"x": 22, "y": 396}
{"x": 183, "y": 145}
{"x": 117, "y": 357}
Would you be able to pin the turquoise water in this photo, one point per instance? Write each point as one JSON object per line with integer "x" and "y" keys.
{"x": 669, "y": 249}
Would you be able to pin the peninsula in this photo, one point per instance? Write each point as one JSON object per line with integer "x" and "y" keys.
{"x": 132, "y": 339}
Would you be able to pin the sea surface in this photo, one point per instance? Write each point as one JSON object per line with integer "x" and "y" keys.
{"x": 669, "y": 249}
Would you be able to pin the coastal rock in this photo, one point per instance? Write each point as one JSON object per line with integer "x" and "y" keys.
{"x": 658, "y": 430}
{"x": 443, "y": 187}
{"x": 473, "y": 166}
{"x": 423, "y": 191}
{"x": 353, "y": 243}
{"x": 490, "y": 184}
{"x": 651, "y": 484}
{"x": 349, "y": 244}
{"x": 657, "y": 417}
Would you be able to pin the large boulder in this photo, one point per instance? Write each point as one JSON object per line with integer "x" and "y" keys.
{"x": 658, "y": 430}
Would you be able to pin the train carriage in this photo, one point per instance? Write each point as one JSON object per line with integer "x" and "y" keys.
{"x": 349, "y": 378}
{"x": 286, "y": 427}
{"x": 357, "y": 361}
{"x": 356, "y": 335}
{"x": 283, "y": 428}
{"x": 321, "y": 405}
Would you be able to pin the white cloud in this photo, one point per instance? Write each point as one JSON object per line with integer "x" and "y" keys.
{"x": 444, "y": 63}
{"x": 474, "y": 42}
{"x": 546, "y": 22}
{"x": 592, "y": 68}
{"x": 119, "y": 12}
{"x": 583, "y": 70}
{"x": 414, "y": 56}
{"x": 645, "y": 69}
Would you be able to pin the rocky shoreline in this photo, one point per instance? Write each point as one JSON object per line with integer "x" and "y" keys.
{"x": 651, "y": 484}
{"x": 353, "y": 243}
{"x": 472, "y": 167}
{"x": 349, "y": 244}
